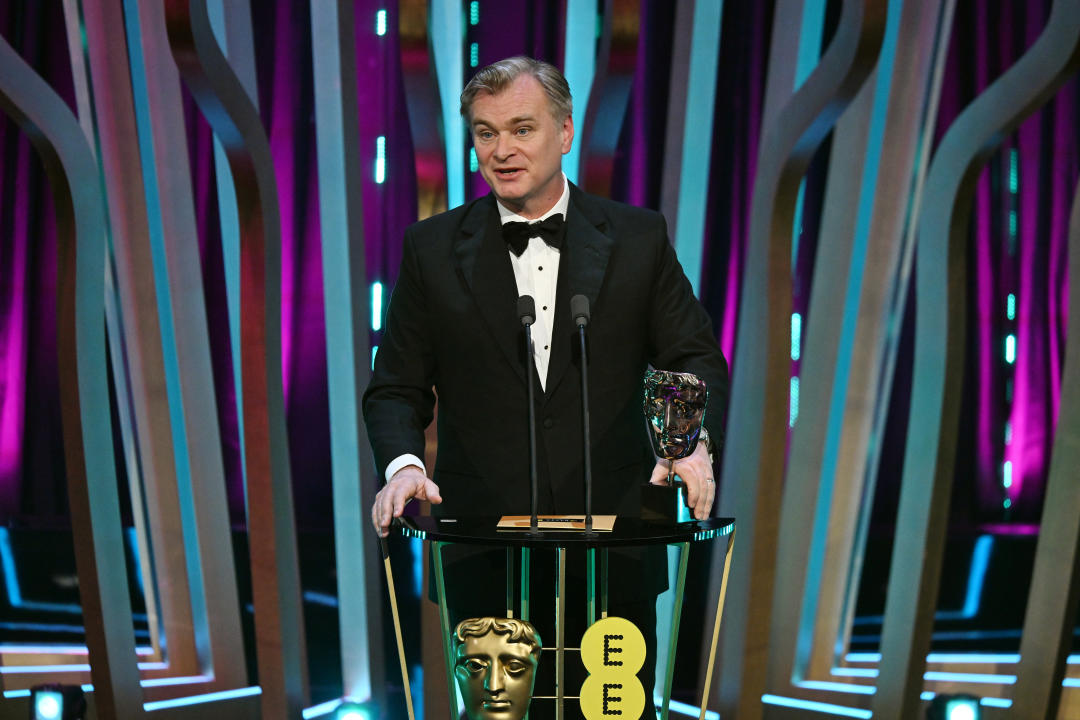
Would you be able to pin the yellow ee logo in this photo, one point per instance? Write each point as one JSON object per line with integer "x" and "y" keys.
{"x": 613, "y": 650}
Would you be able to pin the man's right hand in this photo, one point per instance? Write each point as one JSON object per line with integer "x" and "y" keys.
{"x": 407, "y": 483}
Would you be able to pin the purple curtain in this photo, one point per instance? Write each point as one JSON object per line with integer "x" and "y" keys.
{"x": 32, "y": 476}
{"x": 1017, "y": 270}
{"x": 740, "y": 92}
{"x": 1017, "y": 284}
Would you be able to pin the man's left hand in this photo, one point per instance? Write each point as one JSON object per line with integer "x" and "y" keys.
{"x": 697, "y": 472}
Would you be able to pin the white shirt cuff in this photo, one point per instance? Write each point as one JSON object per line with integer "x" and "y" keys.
{"x": 403, "y": 461}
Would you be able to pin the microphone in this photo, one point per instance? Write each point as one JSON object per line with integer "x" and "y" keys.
{"x": 579, "y": 308}
{"x": 526, "y": 308}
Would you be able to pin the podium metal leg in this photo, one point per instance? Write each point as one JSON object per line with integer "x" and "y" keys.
{"x": 444, "y": 621}
{"x": 590, "y": 586}
{"x": 397, "y": 626}
{"x": 509, "y": 582}
{"x": 560, "y": 632}
{"x": 525, "y": 558}
{"x": 716, "y": 625}
{"x": 603, "y": 582}
{"x": 684, "y": 557}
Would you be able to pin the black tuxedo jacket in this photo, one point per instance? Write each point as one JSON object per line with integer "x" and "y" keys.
{"x": 452, "y": 325}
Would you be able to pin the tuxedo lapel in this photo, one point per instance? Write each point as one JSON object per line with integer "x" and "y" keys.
{"x": 483, "y": 263}
{"x": 581, "y": 272}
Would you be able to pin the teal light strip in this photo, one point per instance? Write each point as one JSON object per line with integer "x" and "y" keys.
{"x": 1010, "y": 306}
{"x": 322, "y": 709}
{"x": 796, "y": 336}
{"x": 579, "y": 67}
{"x": 793, "y": 402}
{"x": 826, "y": 708}
{"x": 380, "y": 23}
{"x": 980, "y": 678}
{"x": 697, "y": 139}
{"x": 1014, "y": 172}
{"x": 376, "y": 305}
{"x": 474, "y": 12}
{"x": 202, "y": 699}
{"x": 380, "y": 159}
{"x": 685, "y": 708}
{"x": 828, "y": 686}
{"x": 446, "y": 30}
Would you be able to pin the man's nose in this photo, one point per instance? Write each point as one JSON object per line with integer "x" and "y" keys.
{"x": 504, "y": 147}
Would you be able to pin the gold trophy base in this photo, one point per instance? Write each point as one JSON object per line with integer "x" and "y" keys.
{"x": 662, "y": 502}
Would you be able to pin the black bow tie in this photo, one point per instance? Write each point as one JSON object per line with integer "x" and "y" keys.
{"x": 517, "y": 234}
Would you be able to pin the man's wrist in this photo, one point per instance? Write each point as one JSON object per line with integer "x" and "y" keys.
{"x": 707, "y": 440}
{"x": 403, "y": 461}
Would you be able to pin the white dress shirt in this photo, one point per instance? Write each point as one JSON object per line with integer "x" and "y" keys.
{"x": 536, "y": 272}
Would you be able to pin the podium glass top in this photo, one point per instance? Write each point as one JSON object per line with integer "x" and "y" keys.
{"x": 628, "y": 531}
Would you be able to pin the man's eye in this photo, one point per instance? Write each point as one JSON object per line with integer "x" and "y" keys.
{"x": 523, "y": 131}
{"x": 485, "y": 134}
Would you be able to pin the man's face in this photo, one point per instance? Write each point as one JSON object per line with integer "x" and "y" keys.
{"x": 495, "y": 677}
{"x": 519, "y": 146}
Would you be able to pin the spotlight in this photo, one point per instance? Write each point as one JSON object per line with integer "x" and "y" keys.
{"x": 57, "y": 702}
{"x": 954, "y": 707}
{"x": 354, "y": 711}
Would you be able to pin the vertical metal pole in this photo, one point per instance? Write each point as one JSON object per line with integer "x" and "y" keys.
{"x": 716, "y": 625}
{"x": 676, "y": 616}
{"x": 560, "y": 630}
{"x": 509, "y": 582}
{"x": 525, "y": 557}
{"x": 444, "y": 622}
{"x": 603, "y": 582}
{"x": 385, "y": 546}
{"x": 590, "y": 585}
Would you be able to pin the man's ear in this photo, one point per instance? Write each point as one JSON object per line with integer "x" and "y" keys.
{"x": 567, "y": 134}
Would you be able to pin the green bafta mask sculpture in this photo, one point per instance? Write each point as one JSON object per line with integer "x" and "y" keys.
{"x": 495, "y": 665}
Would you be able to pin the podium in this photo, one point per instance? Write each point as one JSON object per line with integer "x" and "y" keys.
{"x": 519, "y": 547}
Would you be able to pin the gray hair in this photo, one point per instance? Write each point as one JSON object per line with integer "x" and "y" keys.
{"x": 498, "y": 76}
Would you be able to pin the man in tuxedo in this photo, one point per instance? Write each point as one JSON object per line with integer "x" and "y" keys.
{"x": 452, "y": 325}
{"x": 452, "y": 330}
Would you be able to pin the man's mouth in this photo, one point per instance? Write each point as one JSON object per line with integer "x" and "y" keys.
{"x": 507, "y": 173}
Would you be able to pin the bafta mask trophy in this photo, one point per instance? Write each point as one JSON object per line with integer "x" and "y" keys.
{"x": 495, "y": 664}
{"x": 674, "y": 408}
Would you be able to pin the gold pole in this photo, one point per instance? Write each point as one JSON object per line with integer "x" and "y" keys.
{"x": 397, "y": 625}
{"x": 560, "y": 635}
{"x": 509, "y": 582}
{"x": 716, "y": 624}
